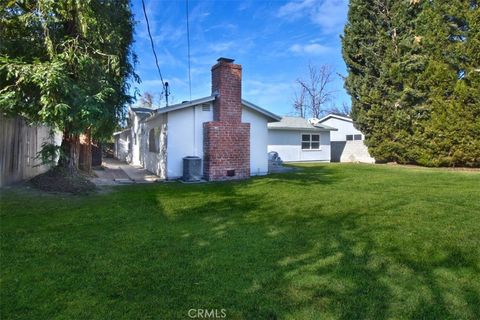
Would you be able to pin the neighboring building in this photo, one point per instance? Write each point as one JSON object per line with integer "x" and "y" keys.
{"x": 297, "y": 139}
{"x": 229, "y": 134}
{"x": 347, "y": 143}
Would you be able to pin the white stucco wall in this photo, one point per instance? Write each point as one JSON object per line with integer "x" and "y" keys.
{"x": 258, "y": 141}
{"x": 155, "y": 162}
{"x": 122, "y": 141}
{"x": 344, "y": 127}
{"x": 288, "y": 145}
{"x": 356, "y": 151}
{"x": 135, "y": 158}
{"x": 347, "y": 151}
{"x": 185, "y": 137}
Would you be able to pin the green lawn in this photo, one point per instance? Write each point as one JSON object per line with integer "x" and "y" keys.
{"x": 328, "y": 242}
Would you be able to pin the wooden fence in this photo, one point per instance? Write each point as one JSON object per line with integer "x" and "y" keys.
{"x": 19, "y": 145}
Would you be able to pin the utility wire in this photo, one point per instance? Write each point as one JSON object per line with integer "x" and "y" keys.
{"x": 188, "y": 44}
{"x": 165, "y": 89}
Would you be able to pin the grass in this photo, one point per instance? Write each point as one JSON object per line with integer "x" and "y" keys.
{"x": 327, "y": 242}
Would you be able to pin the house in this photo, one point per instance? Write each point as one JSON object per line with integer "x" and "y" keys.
{"x": 298, "y": 139}
{"x": 347, "y": 142}
{"x": 228, "y": 133}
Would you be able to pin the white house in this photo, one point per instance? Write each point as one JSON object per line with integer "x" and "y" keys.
{"x": 297, "y": 139}
{"x": 347, "y": 143}
{"x": 229, "y": 134}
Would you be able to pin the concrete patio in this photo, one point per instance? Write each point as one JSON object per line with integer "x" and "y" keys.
{"x": 115, "y": 172}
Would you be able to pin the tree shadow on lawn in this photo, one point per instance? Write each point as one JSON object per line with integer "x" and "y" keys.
{"x": 248, "y": 247}
{"x": 250, "y": 255}
{"x": 310, "y": 174}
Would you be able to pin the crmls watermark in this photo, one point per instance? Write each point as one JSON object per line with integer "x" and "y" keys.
{"x": 207, "y": 313}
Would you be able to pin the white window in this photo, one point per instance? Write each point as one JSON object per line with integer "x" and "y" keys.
{"x": 310, "y": 142}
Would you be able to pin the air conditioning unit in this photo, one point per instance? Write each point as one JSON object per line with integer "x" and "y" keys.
{"x": 192, "y": 169}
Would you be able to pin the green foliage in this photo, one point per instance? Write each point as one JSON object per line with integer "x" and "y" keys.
{"x": 49, "y": 153}
{"x": 66, "y": 63}
{"x": 414, "y": 79}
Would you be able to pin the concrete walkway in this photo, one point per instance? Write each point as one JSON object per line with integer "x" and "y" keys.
{"x": 115, "y": 172}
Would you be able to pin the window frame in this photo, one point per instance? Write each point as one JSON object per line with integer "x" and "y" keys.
{"x": 354, "y": 137}
{"x": 310, "y": 141}
{"x": 155, "y": 147}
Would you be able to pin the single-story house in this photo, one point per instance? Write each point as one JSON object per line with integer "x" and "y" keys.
{"x": 298, "y": 139}
{"x": 347, "y": 142}
{"x": 228, "y": 133}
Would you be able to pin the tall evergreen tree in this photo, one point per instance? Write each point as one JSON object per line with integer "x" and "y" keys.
{"x": 412, "y": 80}
{"x": 66, "y": 64}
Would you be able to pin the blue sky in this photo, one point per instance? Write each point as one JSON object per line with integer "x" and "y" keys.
{"x": 274, "y": 41}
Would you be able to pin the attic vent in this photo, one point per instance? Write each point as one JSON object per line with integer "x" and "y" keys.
{"x": 205, "y": 107}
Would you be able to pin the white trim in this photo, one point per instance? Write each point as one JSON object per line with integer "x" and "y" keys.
{"x": 174, "y": 107}
{"x": 336, "y": 117}
{"x": 120, "y": 132}
{"x": 311, "y": 141}
{"x": 193, "y": 103}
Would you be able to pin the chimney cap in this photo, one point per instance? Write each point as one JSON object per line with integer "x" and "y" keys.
{"x": 227, "y": 60}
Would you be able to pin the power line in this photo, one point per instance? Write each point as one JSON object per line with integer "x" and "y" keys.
{"x": 188, "y": 45}
{"x": 164, "y": 84}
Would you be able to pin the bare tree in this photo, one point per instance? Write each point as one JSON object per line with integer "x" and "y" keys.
{"x": 146, "y": 100}
{"x": 317, "y": 89}
{"x": 344, "y": 109}
{"x": 299, "y": 103}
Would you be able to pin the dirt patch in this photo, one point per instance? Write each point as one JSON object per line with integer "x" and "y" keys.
{"x": 58, "y": 180}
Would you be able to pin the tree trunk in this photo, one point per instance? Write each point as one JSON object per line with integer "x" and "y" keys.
{"x": 70, "y": 152}
{"x": 85, "y": 158}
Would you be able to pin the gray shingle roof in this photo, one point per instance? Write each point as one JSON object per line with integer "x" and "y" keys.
{"x": 298, "y": 123}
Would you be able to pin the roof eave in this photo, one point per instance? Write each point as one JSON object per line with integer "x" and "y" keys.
{"x": 120, "y": 132}
{"x": 179, "y": 106}
{"x": 272, "y": 116}
{"x": 302, "y": 129}
{"x": 328, "y": 116}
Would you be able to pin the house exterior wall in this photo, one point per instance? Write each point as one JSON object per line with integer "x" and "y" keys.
{"x": 136, "y": 141}
{"x": 122, "y": 149}
{"x": 258, "y": 141}
{"x": 155, "y": 162}
{"x": 344, "y": 127}
{"x": 287, "y": 143}
{"x": 343, "y": 150}
{"x": 356, "y": 151}
{"x": 185, "y": 136}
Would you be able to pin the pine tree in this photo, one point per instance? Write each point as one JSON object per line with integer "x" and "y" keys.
{"x": 410, "y": 67}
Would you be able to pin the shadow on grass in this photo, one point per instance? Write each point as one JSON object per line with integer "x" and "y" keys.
{"x": 265, "y": 248}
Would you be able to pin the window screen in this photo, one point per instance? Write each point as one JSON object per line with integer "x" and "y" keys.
{"x": 310, "y": 141}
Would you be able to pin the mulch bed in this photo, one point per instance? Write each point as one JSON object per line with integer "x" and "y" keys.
{"x": 59, "y": 180}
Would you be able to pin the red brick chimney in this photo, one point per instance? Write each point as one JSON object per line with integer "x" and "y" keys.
{"x": 226, "y": 140}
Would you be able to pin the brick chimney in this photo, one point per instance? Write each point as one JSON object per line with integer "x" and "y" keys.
{"x": 226, "y": 140}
